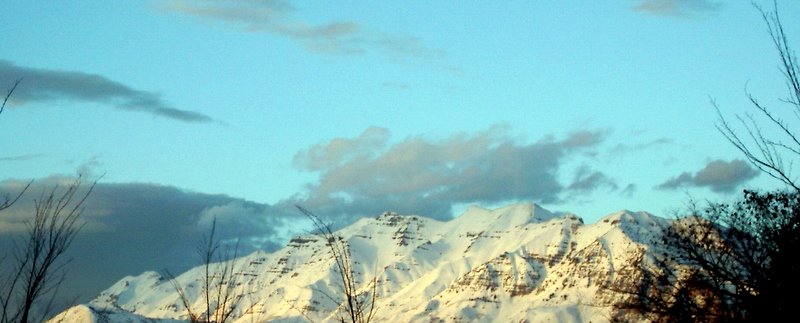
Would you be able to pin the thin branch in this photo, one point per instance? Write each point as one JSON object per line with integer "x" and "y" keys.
{"x": 8, "y": 201}
{"x": 38, "y": 266}
{"x": 193, "y": 318}
{"x": 8, "y": 94}
{"x": 360, "y": 306}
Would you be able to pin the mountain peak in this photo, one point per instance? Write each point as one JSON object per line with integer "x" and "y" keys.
{"x": 631, "y": 217}
{"x": 514, "y": 214}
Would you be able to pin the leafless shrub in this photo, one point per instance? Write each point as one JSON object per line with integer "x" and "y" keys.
{"x": 219, "y": 281}
{"x": 37, "y": 268}
{"x": 358, "y": 306}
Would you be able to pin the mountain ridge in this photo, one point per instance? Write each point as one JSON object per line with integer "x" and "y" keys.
{"x": 520, "y": 262}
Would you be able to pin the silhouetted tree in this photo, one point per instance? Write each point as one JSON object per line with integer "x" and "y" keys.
{"x": 35, "y": 271}
{"x": 32, "y": 272}
{"x": 725, "y": 263}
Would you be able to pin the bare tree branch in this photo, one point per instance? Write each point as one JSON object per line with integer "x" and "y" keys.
{"x": 219, "y": 281}
{"x": 37, "y": 258}
{"x": 9, "y": 200}
{"x": 359, "y": 306}
{"x": 768, "y": 154}
{"x": 8, "y": 95}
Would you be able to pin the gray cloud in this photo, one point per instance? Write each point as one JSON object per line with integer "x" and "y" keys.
{"x": 132, "y": 227}
{"x": 587, "y": 180}
{"x": 254, "y": 14}
{"x": 718, "y": 175}
{"x": 624, "y": 148}
{"x": 275, "y": 17}
{"x": 364, "y": 176}
{"x": 678, "y": 8}
{"x": 628, "y": 191}
{"x": 20, "y": 157}
{"x": 39, "y": 85}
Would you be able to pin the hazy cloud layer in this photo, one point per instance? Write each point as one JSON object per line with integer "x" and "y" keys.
{"x": 364, "y": 176}
{"x": 678, "y": 8}
{"x": 718, "y": 175}
{"x": 39, "y": 85}
{"x": 341, "y": 37}
{"x": 131, "y": 228}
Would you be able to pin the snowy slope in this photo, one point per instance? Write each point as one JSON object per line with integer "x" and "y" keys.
{"x": 517, "y": 263}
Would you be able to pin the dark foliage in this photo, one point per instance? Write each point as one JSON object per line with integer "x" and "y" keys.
{"x": 726, "y": 263}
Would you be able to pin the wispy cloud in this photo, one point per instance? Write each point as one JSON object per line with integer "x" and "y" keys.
{"x": 718, "y": 175}
{"x": 678, "y": 8}
{"x": 274, "y": 16}
{"x": 624, "y": 148}
{"x": 628, "y": 191}
{"x": 40, "y": 85}
{"x": 366, "y": 175}
{"x": 20, "y": 157}
{"x": 255, "y": 15}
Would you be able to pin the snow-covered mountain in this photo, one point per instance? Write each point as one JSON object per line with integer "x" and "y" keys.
{"x": 514, "y": 264}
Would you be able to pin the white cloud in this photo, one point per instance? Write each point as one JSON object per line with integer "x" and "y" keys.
{"x": 364, "y": 176}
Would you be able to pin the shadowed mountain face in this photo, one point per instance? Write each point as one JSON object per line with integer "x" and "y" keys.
{"x": 515, "y": 263}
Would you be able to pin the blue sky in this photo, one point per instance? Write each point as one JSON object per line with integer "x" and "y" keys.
{"x": 351, "y": 109}
{"x": 265, "y": 81}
